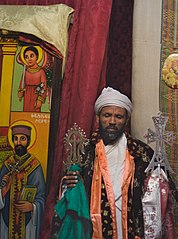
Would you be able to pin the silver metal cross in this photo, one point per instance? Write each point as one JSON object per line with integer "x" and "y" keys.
{"x": 160, "y": 137}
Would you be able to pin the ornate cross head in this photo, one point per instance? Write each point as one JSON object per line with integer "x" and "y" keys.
{"x": 75, "y": 141}
{"x": 160, "y": 137}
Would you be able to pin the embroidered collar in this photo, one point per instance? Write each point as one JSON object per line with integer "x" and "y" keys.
{"x": 21, "y": 159}
{"x": 33, "y": 70}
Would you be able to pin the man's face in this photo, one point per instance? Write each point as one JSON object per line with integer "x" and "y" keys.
{"x": 21, "y": 143}
{"x": 112, "y": 121}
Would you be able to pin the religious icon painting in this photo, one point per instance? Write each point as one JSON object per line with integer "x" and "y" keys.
{"x": 34, "y": 88}
{"x": 27, "y": 82}
{"x": 29, "y": 95}
{"x": 170, "y": 71}
{"x": 27, "y": 100}
{"x": 33, "y": 49}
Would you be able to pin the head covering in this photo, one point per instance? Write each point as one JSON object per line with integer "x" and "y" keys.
{"x": 109, "y": 97}
{"x": 21, "y": 129}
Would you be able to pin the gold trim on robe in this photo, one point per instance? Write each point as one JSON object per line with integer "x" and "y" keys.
{"x": 18, "y": 180}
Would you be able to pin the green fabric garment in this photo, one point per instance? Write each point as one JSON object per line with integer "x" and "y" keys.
{"x": 74, "y": 213}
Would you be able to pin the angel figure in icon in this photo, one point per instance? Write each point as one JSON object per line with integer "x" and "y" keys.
{"x": 34, "y": 85}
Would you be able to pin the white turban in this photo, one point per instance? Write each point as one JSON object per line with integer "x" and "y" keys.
{"x": 109, "y": 97}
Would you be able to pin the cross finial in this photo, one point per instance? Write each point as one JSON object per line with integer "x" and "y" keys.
{"x": 160, "y": 137}
{"x": 74, "y": 141}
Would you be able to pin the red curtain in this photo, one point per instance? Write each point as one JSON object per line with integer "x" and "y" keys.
{"x": 85, "y": 73}
{"x": 84, "y": 78}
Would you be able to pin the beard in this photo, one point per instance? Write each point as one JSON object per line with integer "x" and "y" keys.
{"x": 110, "y": 134}
{"x": 20, "y": 150}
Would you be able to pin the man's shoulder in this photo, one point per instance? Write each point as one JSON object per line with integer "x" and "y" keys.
{"x": 33, "y": 160}
{"x": 138, "y": 148}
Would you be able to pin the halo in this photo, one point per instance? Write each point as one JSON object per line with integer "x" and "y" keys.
{"x": 27, "y": 123}
{"x": 40, "y": 54}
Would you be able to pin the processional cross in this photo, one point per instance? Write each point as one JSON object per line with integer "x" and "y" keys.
{"x": 160, "y": 137}
{"x": 75, "y": 141}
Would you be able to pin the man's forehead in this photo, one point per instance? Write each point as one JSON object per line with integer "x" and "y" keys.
{"x": 113, "y": 108}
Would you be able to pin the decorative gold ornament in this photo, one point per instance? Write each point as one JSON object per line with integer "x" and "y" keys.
{"x": 170, "y": 71}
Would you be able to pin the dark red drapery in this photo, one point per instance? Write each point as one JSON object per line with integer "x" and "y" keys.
{"x": 84, "y": 77}
{"x": 85, "y": 71}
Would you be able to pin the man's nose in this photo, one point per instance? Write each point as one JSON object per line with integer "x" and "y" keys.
{"x": 18, "y": 141}
{"x": 112, "y": 120}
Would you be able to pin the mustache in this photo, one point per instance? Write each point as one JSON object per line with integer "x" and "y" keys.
{"x": 111, "y": 127}
{"x": 111, "y": 133}
{"x": 19, "y": 146}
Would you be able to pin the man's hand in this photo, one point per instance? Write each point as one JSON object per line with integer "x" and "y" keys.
{"x": 24, "y": 206}
{"x": 71, "y": 179}
{"x": 38, "y": 105}
{"x": 6, "y": 178}
{"x": 21, "y": 93}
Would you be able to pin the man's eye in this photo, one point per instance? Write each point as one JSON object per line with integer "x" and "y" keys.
{"x": 22, "y": 138}
{"x": 119, "y": 116}
{"x": 106, "y": 115}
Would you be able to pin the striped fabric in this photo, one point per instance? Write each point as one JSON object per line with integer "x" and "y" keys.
{"x": 168, "y": 94}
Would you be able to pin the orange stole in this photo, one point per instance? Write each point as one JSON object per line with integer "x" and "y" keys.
{"x": 101, "y": 169}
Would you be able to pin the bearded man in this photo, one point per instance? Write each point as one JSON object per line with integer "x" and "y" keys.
{"x": 115, "y": 172}
{"x": 22, "y": 190}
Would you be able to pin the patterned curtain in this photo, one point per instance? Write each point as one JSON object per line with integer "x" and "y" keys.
{"x": 119, "y": 63}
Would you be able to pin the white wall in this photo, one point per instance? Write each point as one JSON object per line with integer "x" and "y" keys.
{"x": 146, "y": 65}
